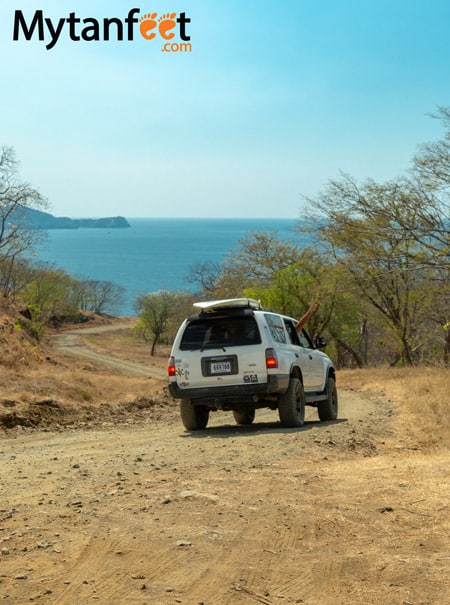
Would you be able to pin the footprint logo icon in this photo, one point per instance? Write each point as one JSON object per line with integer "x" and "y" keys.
{"x": 166, "y": 23}
{"x": 146, "y": 24}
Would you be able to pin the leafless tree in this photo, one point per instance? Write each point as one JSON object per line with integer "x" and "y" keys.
{"x": 16, "y": 236}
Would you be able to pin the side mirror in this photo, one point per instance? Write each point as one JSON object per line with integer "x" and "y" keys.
{"x": 320, "y": 342}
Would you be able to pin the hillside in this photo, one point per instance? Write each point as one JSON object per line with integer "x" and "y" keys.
{"x": 41, "y": 387}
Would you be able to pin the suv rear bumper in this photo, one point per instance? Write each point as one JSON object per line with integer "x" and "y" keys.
{"x": 240, "y": 393}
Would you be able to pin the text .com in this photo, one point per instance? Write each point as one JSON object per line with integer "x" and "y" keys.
{"x": 170, "y": 28}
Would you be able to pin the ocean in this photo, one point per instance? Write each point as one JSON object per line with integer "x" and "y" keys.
{"x": 154, "y": 254}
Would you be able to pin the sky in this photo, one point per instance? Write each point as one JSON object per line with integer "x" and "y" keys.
{"x": 270, "y": 102}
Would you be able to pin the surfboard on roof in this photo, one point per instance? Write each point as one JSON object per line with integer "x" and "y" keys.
{"x": 229, "y": 303}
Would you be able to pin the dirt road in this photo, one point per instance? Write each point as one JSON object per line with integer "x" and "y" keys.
{"x": 347, "y": 513}
{"x": 72, "y": 343}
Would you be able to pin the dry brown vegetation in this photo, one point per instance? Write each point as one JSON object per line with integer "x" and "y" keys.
{"x": 421, "y": 393}
{"x": 40, "y": 387}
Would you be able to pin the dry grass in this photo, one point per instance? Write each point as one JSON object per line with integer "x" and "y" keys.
{"x": 422, "y": 394}
{"x": 16, "y": 348}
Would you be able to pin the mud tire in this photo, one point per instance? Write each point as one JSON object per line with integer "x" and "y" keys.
{"x": 193, "y": 417}
{"x": 244, "y": 416}
{"x": 291, "y": 406}
{"x": 328, "y": 409}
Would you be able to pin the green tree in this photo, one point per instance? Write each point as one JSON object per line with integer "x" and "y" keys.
{"x": 253, "y": 263}
{"x": 14, "y": 276}
{"x": 286, "y": 276}
{"x": 48, "y": 295}
{"x": 315, "y": 276}
{"x": 159, "y": 315}
{"x": 370, "y": 230}
{"x": 51, "y": 291}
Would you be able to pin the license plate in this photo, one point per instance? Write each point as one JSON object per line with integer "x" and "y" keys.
{"x": 220, "y": 367}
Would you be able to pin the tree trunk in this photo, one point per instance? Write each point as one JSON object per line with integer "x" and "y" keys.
{"x": 355, "y": 355}
{"x": 447, "y": 346}
{"x": 407, "y": 354}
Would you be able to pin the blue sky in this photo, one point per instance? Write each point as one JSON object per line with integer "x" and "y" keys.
{"x": 273, "y": 101}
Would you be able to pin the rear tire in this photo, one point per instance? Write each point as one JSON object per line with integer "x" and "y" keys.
{"x": 244, "y": 416}
{"x": 193, "y": 417}
{"x": 291, "y": 406}
{"x": 328, "y": 409}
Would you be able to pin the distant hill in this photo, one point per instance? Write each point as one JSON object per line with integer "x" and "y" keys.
{"x": 43, "y": 220}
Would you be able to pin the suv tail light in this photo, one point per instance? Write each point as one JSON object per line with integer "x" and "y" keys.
{"x": 271, "y": 359}
{"x": 171, "y": 367}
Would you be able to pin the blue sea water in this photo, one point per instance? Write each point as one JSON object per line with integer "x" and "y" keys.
{"x": 154, "y": 254}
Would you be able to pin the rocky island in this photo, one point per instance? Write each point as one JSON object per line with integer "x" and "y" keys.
{"x": 37, "y": 219}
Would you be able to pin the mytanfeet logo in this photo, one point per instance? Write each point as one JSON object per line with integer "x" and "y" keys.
{"x": 171, "y": 28}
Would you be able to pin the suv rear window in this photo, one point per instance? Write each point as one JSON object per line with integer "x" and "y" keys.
{"x": 220, "y": 332}
{"x": 276, "y": 327}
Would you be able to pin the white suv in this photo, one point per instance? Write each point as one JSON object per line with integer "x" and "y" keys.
{"x": 234, "y": 355}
